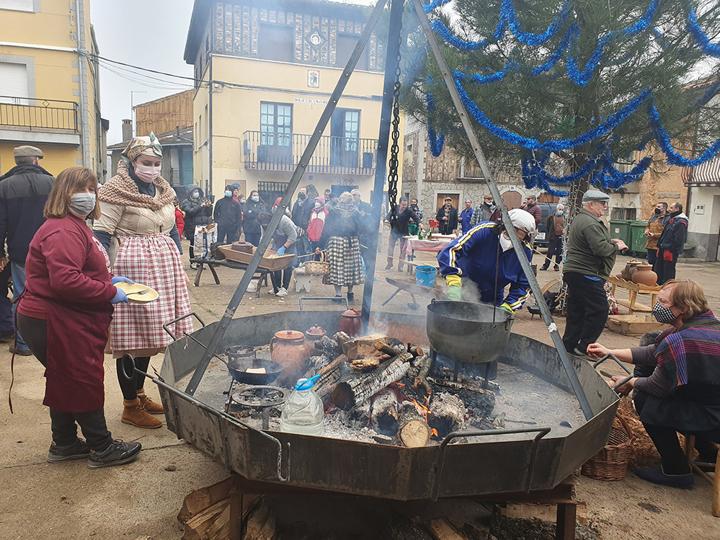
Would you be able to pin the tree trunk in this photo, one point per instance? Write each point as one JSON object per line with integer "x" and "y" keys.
{"x": 362, "y": 387}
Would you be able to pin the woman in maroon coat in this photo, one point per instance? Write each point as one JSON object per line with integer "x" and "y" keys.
{"x": 65, "y": 314}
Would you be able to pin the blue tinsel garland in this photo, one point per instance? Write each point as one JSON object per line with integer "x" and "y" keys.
{"x": 434, "y": 5}
{"x": 713, "y": 49}
{"x": 444, "y": 32}
{"x": 435, "y": 141}
{"x": 490, "y": 77}
{"x": 664, "y": 140}
{"x": 508, "y": 14}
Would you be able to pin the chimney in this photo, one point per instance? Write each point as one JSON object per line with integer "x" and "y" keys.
{"x": 127, "y": 130}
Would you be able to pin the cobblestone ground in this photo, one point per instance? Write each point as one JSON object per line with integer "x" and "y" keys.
{"x": 140, "y": 500}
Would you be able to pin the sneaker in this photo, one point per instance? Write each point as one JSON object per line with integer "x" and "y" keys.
{"x": 117, "y": 453}
{"x": 658, "y": 476}
{"x": 578, "y": 352}
{"x": 77, "y": 450}
{"x": 20, "y": 351}
{"x": 282, "y": 291}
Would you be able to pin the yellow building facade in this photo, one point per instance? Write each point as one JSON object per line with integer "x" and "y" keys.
{"x": 266, "y": 72}
{"x": 49, "y": 93}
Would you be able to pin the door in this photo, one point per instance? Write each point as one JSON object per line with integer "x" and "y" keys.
{"x": 345, "y": 138}
{"x": 186, "y": 166}
{"x": 441, "y": 200}
{"x": 275, "y": 134}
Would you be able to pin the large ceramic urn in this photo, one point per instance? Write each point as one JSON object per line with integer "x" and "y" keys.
{"x": 288, "y": 349}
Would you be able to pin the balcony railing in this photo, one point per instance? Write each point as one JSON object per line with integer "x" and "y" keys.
{"x": 31, "y": 114}
{"x": 333, "y": 155}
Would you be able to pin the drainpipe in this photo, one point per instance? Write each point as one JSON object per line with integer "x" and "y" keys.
{"x": 84, "y": 114}
{"x": 209, "y": 189}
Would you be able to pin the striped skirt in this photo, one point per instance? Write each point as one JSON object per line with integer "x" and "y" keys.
{"x": 343, "y": 255}
{"x": 152, "y": 260}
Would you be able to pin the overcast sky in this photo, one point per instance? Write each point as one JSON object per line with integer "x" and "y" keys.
{"x": 146, "y": 33}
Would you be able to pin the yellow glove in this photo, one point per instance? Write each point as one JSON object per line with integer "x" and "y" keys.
{"x": 506, "y": 307}
{"x": 453, "y": 280}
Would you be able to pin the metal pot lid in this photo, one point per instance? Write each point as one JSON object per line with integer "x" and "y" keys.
{"x": 289, "y": 335}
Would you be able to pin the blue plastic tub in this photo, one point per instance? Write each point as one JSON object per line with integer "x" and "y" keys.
{"x": 425, "y": 275}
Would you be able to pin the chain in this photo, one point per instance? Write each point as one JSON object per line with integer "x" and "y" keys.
{"x": 393, "y": 165}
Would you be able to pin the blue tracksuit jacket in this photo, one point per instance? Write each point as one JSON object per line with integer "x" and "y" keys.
{"x": 473, "y": 256}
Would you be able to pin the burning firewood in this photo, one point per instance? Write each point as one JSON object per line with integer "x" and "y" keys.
{"x": 370, "y": 362}
{"x": 384, "y": 412}
{"x": 447, "y": 414}
{"x": 361, "y": 388}
{"x": 413, "y": 430}
{"x": 362, "y": 347}
{"x": 329, "y": 376}
{"x": 423, "y": 365}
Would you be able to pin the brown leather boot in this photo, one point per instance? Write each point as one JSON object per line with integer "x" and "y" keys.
{"x": 148, "y": 404}
{"x": 135, "y": 415}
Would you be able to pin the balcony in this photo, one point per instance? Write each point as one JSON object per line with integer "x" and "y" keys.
{"x": 39, "y": 120}
{"x": 333, "y": 155}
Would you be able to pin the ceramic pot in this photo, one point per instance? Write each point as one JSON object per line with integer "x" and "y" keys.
{"x": 350, "y": 322}
{"x": 288, "y": 349}
{"x": 312, "y": 336}
{"x": 644, "y": 275}
{"x": 630, "y": 267}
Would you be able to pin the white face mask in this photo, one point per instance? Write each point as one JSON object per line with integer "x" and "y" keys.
{"x": 81, "y": 204}
{"x": 147, "y": 173}
{"x": 255, "y": 198}
{"x": 505, "y": 242}
{"x": 317, "y": 204}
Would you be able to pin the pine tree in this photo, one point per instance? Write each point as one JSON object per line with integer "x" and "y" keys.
{"x": 662, "y": 57}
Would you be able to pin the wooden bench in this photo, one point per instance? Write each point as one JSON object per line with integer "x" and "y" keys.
{"x": 633, "y": 290}
{"x": 714, "y": 479}
{"x": 260, "y": 273}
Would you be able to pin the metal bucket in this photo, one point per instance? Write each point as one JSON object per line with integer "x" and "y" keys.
{"x": 467, "y": 331}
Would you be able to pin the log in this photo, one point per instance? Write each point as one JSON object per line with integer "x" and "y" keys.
{"x": 384, "y": 412}
{"x": 363, "y": 346}
{"x": 328, "y": 346}
{"x": 201, "y": 499}
{"x": 361, "y": 388}
{"x": 329, "y": 376}
{"x": 261, "y": 524}
{"x": 447, "y": 414}
{"x": 423, "y": 363}
{"x": 200, "y": 526}
{"x": 413, "y": 431}
{"x": 441, "y": 529}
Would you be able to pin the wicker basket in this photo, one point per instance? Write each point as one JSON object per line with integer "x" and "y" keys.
{"x": 611, "y": 463}
{"x": 321, "y": 267}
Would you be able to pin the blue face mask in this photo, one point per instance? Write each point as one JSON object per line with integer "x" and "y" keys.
{"x": 228, "y": 193}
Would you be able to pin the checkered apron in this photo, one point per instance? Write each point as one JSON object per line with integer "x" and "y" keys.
{"x": 343, "y": 254}
{"x": 152, "y": 260}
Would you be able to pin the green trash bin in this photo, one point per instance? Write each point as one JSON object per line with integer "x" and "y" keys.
{"x": 638, "y": 238}
{"x": 620, "y": 228}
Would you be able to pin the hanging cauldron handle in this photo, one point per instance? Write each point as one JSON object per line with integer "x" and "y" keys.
{"x": 167, "y": 325}
{"x": 439, "y": 465}
{"x": 614, "y": 358}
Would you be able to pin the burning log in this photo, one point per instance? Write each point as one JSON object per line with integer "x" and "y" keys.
{"x": 423, "y": 365}
{"x": 371, "y": 362}
{"x": 361, "y": 347}
{"x": 480, "y": 400}
{"x": 447, "y": 414}
{"x": 384, "y": 413}
{"x": 329, "y": 376}
{"x": 416, "y": 351}
{"x": 361, "y": 388}
{"x": 413, "y": 430}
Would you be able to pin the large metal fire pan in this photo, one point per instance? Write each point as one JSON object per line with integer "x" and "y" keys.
{"x": 488, "y": 464}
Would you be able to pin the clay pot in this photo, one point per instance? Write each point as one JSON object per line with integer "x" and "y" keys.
{"x": 350, "y": 322}
{"x": 630, "y": 268}
{"x": 243, "y": 247}
{"x": 644, "y": 275}
{"x": 288, "y": 349}
{"x": 312, "y": 336}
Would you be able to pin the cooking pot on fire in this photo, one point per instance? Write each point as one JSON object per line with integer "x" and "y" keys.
{"x": 468, "y": 331}
{"x": 246, "y": 368}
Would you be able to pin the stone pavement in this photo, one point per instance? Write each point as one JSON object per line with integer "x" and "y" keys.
{"x": 69, "y": 501}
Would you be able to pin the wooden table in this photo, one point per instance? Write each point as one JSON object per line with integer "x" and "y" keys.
{"x": 414, "y": 244}
{"x": 633, "y": 290}
{"x": 260, "y": 273}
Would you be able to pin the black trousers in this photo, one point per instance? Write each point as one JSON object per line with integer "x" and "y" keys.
{"x": 555, "y": 247}
{"x": 665, "y": 270}
{"x": 64, "y": 424}
{"x": 130, "y": 387}
{"x": 587, "y": 311}
{"x": 672, "y": 456}
{"x": 652, "y": 256}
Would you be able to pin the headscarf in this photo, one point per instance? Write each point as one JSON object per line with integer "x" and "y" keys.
{"x": 346, "y": 203}
{"x": 122, "y": 190}
{"x": 148, "y": 146}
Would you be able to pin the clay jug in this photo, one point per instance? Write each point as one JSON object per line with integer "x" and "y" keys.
{"x": 312, "y": 336}
{"x": 287, "y": 348}
{"x": 630, "y": 268}
{"x": 350, "y": 322}
{"x": 644, "y": 275}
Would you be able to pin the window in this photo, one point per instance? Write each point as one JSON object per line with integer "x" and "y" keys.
{"x": 276, "y": 42}
{"x": 275, "y": 124}
{"x": 18, "y": 5}
{"x": 345, "y": 137}
{"x": 14, "y": 83}
{"x": 623, "y": 213}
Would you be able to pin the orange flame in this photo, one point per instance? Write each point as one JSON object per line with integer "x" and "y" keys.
{"x": 434, "y": 432}
{"x": 421, "y": 409}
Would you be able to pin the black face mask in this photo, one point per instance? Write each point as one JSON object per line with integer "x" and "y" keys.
{"x": 657, "y": 211}
{"x": 301, "y": 196}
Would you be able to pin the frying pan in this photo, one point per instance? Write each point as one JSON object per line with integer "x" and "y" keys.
{"x": 242, "y": 358}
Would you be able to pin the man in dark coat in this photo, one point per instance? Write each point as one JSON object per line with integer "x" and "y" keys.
{"x": 671, "y": 244}
{"x": 555, "y": 229}
{"x": 198, "y": 212}
{"x": 398, "y": 231}
{"x": 447, "y": 216}
{"x": 533, "y": 207}
{"x": 24, "y": 190}
{"x": 228, "y": 216}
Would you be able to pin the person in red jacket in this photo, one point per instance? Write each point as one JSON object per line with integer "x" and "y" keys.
{"x": 179, "y": 219}
{"x": 64, "y": 315}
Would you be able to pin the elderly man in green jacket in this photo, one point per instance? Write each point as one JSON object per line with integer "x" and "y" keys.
{"x": 590, "y": 258}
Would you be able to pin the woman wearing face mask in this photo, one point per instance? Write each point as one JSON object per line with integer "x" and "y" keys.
{"x": 676, "y": 381}
{"x": 253, "y": 208}
{"x": 64, "y": 316}
{"x": 137, "y": 208}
